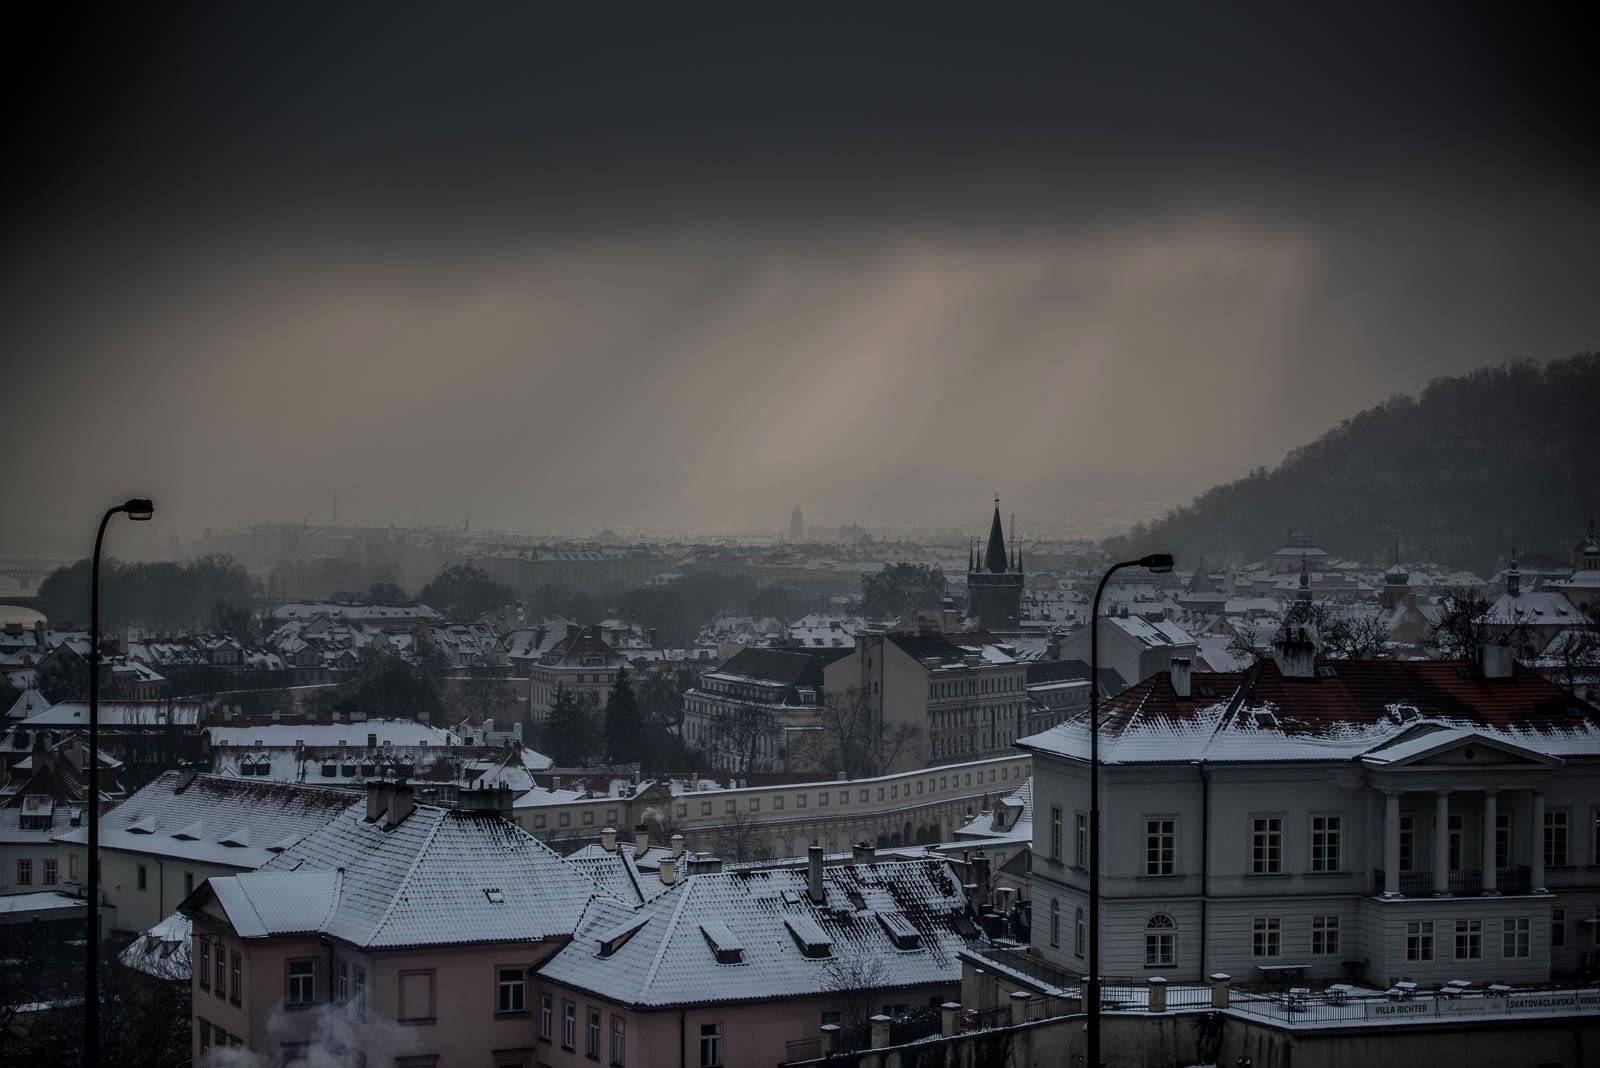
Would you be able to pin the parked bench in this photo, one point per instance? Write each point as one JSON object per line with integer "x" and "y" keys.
{"x": 1339, "y": 993}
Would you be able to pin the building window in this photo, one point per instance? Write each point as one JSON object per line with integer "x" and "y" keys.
{"x": 1324, "y": 936}
{"x": 360, "y": 975}
{"x": 1326, "y": 832}
{"x": 546, "y": 1022}
{"x": 594, "y": 1033}
{"x": 1555, "y": 839}
{"x": 1514, "y": 937}
{"x": 1160, "y": 941}
{"x": 569, "y": 1025}
{"x": 1502, "y": 839}
{"x": 1408, "y": 844}
{"x": 205, "y": 1035}
{"x": 302, "y": 982}
{"x": 1266, "y": 937}
{"x": 1055, "y": 922}
{"x": 1081, "y": 839}
{"x": 238, "y": 979}
{"x": 1160, "y": 846}
{"x": 1558, "y": 928}
{"x": 1266, "y": 845}
{"x": 1469, "y": 940}
{"x": 25, "y": 872}
{"x": 1055, "y": 832}
{"x": 1453, "y": 835}
{"x": 416, "y": 996}
{"x": 49, "y": 873}
{"x": 1081, "y": 933}
{"x": 619, "y": 1042}
{"x": 1419, "y": 940}
{"x": 341, "y": 982}
{"x": 512, "y": 991}
{"x": 221, "y": 983}
{"x": 142, "y": 877}
{"x": 711, "y": 1046}
{"x": 203, "y": 973}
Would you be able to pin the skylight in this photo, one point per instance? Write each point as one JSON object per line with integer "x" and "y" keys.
{"x": 494, "y": 895}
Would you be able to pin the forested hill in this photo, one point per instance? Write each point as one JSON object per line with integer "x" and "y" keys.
{"x": 1509, "y": 450}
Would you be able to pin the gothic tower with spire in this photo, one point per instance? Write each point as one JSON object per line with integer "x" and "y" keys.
{"x": 994, "y": 582}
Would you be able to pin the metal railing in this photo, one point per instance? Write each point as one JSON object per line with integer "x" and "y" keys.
{"x": 1462, "y": 883}
{"x": 803, "y": 1049}
{"x": 1024, "y": 963}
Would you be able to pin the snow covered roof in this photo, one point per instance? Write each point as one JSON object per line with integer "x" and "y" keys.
{"x": 441, "y": 877}
{"x": 1152, "y": 633}
{"x": 181, "y": 713}
{"x": 756, "y": 935}
{"x": 1347, "y": 709}
{"x": 210, "y": 812}
{"x": 401, "y": 732}
{"x": 31, "y": 702}
{"x": 163, "y": 952}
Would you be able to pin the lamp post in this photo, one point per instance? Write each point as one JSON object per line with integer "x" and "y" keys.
{"x": 140, "y": 509}
{"x": 1159, "y": 563}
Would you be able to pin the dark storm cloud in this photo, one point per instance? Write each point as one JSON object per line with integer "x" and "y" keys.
{"x": 673, "y": 268}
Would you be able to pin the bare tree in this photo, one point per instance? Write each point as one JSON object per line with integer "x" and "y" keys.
{"x": 1243, "y": 643}
{"x": 856, "y": 980}
{"x": 1575, "y": 653}
{"x": 854, "y": 738}
{"x": 1465, "y": 626}
{"x": 741, "y": 735}
{"x": 1358, "y": 635}
{"x": 739, "y": 838}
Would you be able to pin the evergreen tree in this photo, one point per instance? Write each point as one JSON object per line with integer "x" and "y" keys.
{"x": 625, "y": 724}
{"x": 567, "y": 732}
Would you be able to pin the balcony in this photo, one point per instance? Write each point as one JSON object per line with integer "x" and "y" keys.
{"x": 1516, "y": 880}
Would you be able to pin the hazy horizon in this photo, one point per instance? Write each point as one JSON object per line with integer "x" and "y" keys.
{"x": 679, "y": 272}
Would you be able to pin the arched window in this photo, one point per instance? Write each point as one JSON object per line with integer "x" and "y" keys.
{"x": 1160, "y": 941}
{"x": 1055, "y": 922}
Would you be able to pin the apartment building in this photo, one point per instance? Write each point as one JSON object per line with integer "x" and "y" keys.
{"x": 1370, "y": 820}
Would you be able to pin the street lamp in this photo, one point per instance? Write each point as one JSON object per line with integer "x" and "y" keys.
{"x": 140, "y": 509}
{"x": 1160, "y": 563}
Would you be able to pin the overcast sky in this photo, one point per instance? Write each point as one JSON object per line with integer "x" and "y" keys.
{"x": 677, "y": 269}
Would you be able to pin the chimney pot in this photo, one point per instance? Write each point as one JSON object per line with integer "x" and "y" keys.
{"x": 669, "y": 871}
{"x": 641, "y": 840}
{"x": 608, "y": 839}
{"x": 677, "y": 845}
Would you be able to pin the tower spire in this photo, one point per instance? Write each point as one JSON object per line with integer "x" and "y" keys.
{"x": 994, "y": 556}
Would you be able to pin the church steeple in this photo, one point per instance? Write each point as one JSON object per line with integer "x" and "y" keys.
{"x": 994, "y": 557}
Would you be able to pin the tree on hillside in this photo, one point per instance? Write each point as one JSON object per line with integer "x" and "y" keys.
{"x": 63, "y": 676}
{"x": 162, "y": 596}
{"x": 389, "y": 687}
{"x": 625, "y": 723}
{"x": 464, "y": 592}
{"x": 901, "y": 587}
{"x": 234, "y": 619}
{"x": 485, "y": 691}
{"x": 569, "y": 734}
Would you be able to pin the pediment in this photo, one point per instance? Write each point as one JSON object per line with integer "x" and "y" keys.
{"x": 1433, "y": 746}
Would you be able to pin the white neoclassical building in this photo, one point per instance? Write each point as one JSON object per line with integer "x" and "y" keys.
{"x": 1324, "y": 820}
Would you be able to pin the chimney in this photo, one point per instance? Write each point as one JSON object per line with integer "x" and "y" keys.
{"x": 814, "y": 875}
{"x": 641, "y": 840}
{"x": 669, "y": 871}
{"x": 1494, "y": 661}
{"x": 704, "y": 864}
{"x": 980, "y": 876}
{"x": 496, "y": 799}
{"x": 608, "y": 839}
{"x": 401, "y": 805}
{"x": 572, "y": 630}
{"x": 1294, "y": 650}
{"x": 1182, "y": 667}
{"x": 378, "y": 793}
{"x": 677, "y": 845}
{"x": 861, "y": 853}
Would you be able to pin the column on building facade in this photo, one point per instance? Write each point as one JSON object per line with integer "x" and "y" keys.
{"x": 1441, "y": 844}
{"x": 1491, "y": 810}
{"x": 1536, "y": 841}
{"x": 1391, "y": 844}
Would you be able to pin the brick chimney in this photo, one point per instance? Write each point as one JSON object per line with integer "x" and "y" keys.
{"x": 1294, "y": 650}
{"x": 378, "y": 793}
{"x": 1182, "y": 669}
{"x": 669, "y": 871}
{"x": 861, "y": 853}
{"x": 608, "y": 839}
{"x": 1494, "y": 661}
{"x": 677, "y": 845}
{"x": 641, "y": 840}
{"x": 814, "y": 875}
{"x": 401, "y": 805}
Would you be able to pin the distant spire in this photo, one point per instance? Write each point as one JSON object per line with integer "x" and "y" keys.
{"x": 994, "y": 557}
{"x": 1397, "y": 549}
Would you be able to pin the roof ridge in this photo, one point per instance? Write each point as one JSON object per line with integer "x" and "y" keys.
{"x": 666, "y": 939}
{"x": 372, "y": 935}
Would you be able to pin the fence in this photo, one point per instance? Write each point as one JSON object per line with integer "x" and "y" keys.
{"x": 1320, "y": 1008}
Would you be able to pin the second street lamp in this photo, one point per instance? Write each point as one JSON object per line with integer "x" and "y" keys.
{"x": 1160, "y": 563}
{"x": 137, "y": 508}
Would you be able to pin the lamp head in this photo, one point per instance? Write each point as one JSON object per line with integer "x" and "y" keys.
{"x": 139, "y": 508}
{"x": 1160, "y": 563}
